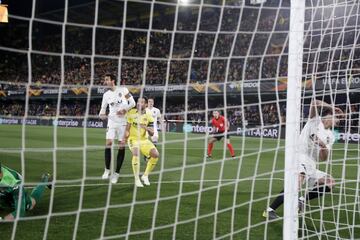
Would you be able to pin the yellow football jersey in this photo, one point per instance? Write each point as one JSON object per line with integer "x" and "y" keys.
{"x": 135, "y": 118}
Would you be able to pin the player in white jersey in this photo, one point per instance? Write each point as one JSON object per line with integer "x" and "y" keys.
{"x": 315, "y": 143}
{"x": 155, "y": 113}
{"x": 119, "y": 101}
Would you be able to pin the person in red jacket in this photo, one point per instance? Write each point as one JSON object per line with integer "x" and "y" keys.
{"x": 220, "y": 129}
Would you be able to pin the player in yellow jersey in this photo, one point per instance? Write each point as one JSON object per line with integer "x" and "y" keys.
{"x": 140, "y": 124}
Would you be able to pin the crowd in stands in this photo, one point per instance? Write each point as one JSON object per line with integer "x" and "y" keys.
{"x": 250, "y": 49}
{"x": 234, "y": 113}
{"x": 48, "y": 108}
{"x": 210, "y": 56}
{"x": 195, "y": 113}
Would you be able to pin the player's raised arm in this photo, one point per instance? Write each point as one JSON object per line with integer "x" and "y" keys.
{"x": 317, "y": 104}
{"x": 131, "y": 101}
{"x": 104, "y": 104}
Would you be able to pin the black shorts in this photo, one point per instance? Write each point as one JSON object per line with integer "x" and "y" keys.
{"x": 219, "y": 136}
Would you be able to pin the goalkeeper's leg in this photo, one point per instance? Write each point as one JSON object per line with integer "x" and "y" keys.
{"x": 38, "y": 191}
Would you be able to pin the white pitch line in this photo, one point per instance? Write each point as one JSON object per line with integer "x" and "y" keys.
{"x": 174, "y": 181}
{"x": 156, "y": 182}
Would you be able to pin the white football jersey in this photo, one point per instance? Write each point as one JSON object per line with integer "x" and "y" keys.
{"x": 314, "y": 127}
{"x": 155, "y": 113}
{"x": 116, "y": 101}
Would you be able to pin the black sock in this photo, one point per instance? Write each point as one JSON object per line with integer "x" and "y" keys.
{"x": 107, "y": 157}
{"x": 120, "y": 159}
{"x": 317, "y": 192}
{"x": 279, "y": 200}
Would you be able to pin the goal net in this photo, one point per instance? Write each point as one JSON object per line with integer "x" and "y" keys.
{"x": 330, "y": 73}
{"x": 192, "y": 57}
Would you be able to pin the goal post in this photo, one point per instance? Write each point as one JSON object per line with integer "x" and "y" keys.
{"x": 293, "y": 109}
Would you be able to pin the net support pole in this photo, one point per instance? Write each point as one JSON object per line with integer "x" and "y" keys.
{"x": 296, "y": 42}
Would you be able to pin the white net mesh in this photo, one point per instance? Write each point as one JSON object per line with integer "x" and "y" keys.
{"x": 192, "y": 57}
{"x": 330, "y": 74}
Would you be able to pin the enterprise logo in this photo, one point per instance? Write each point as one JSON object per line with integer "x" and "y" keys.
{"x": 187, "y": 128}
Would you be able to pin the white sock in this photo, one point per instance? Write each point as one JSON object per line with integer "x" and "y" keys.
{"x": 269, "y": 209}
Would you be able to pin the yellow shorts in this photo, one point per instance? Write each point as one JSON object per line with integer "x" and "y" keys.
{"x": 145, "y": 146}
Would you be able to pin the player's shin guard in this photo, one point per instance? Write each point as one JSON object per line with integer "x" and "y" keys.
{"x": 210, "y": 148}
{"x": 279, "y": 200}
{"x": 107, "y": 157}
{"x": 38, "y": 191}
{"x": 231, "y": 149}
{"x": 317, "y": 192}
{"x": 136, "y": 166}
{"x": 150, "y": 165}
{"x": 120, "y": 159}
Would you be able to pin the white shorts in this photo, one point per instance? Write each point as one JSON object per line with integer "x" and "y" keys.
{"x": 312, "y": 175}
{"x": 116, "y": 132}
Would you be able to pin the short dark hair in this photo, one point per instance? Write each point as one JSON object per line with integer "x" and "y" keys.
{"x": 112, "y": 76}
{"x": 324, "y": 112}
{"x": 151, "y": 97}
{"x": 143, "y": 97}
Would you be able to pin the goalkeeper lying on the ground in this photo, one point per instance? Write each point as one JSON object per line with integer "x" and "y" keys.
{"x": 12, "y": 193}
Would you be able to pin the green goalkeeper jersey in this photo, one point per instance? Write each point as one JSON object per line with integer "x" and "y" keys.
{"x": 10, "y": 188}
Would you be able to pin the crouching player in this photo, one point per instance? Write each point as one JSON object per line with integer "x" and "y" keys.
{"x": 13, "y": 196}
{"x": 140, "y": 124}
{"x": 315, "y": 144}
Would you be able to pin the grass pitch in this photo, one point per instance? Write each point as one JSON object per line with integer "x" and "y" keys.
{"x": 190, "y": 197}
